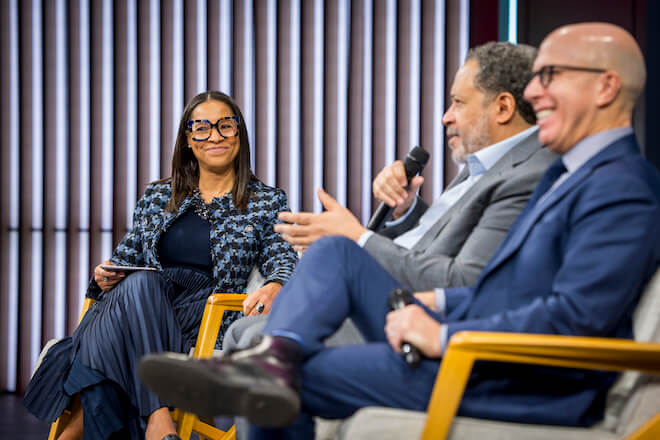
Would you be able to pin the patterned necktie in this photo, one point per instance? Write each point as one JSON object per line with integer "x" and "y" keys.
{"x": 549, "y": 178}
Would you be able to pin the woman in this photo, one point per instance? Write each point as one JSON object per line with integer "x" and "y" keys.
{"x": 203, "y": 230}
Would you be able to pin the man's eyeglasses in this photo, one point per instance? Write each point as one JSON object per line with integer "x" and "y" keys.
{"x": 201, "y": 128}
{"x": 546, "y": 73}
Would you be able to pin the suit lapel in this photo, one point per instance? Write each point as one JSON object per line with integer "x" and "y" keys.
{"x": 517, "y": 155}
{"x": 532, "y": 214}
{"x": 460, "y": 177}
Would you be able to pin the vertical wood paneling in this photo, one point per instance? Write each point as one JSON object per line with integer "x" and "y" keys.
{"x": 455, "y": 12}
{"x": 56, "y": 146}
{"x": 244, "y": 64}
{"x": 293, "y": 112}
{"x": 9, "y": 199}
{"x": 331, "y": 98}
{"x": 384, "y": 84}
{"x": 124, "y": 114}
{"x": 312, "y": 101}
{"x": 29, "y": 326}
{"x": 355, "y": 108}
{"x": 432, "y": 99}
{"x": 331, "y": 91}
{"x": 283, "y": 69}
{"x": 5, "y": 153}
{"x": 78, "y": 261}
{"x": 220, "y": 45}
{"x": 264, "y": 137}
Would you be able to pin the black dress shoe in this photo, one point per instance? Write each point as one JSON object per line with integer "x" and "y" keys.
{"x": 260, "y": 383}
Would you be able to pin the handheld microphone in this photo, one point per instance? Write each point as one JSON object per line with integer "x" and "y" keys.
{"x": 413, "y": 164}
{"x": 398, "y": 299}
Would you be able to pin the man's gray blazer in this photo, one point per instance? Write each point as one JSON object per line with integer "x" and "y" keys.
{"x": 457, "y": 247}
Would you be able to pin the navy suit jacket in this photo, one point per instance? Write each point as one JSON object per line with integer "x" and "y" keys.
{"x": 574, "y": 265}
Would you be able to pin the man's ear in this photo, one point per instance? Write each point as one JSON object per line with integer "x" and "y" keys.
{"x": 609, "y": 87}
{"x": 505, "y": 108}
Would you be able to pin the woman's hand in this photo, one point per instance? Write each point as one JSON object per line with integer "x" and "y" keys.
{"x": 262, "y": 296}
{"x": 107, "y": 279}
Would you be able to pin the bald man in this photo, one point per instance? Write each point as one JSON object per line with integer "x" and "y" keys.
{"x": 574, "y": 263}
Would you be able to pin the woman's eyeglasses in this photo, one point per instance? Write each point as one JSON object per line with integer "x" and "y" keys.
{"x": 201, "y": 128}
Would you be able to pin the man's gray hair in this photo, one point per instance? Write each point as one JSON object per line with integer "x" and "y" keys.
{"x": 505, "y": 67}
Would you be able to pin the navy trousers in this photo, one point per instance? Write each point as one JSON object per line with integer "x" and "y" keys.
{"x": 334, "y": 280}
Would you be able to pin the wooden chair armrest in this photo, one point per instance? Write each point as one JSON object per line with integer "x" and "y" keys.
{"x": 559, "y": 351}
{"x": 87, "y": 303}
{"x": 216, "y": 305}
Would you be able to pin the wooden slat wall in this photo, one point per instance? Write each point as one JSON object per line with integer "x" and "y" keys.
{"x": 91, "y": 96}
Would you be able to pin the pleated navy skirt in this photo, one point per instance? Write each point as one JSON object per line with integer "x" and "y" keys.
{"x": 146, "y": 312}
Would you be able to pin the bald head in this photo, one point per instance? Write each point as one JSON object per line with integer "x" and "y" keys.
{"x": 605, "y": 46}
{"x": 588, "y": 78}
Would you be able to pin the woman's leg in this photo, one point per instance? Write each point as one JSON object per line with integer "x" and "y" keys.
{"x": 133, "y": 319}
{"x": 74, "y": 429}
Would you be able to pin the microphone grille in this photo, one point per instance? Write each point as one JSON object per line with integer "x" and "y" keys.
{"x": 419, "y": 155}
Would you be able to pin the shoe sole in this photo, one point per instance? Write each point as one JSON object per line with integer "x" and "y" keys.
{"x": 198, "y": 389}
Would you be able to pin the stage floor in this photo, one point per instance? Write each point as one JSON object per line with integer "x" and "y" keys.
{"x": 17, "y": 423}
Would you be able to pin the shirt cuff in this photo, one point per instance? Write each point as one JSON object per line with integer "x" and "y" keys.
{"x": 440, "y": 302}
{"x": 364, "y": 237}
{"x": 442, "y": 337}
{"x": 404, "y": 216}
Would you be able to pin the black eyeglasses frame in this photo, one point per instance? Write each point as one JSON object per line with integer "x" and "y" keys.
{"x": 549, "y": 71}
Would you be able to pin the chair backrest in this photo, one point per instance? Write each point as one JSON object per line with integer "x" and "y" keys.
{"x": 635, "y": 397}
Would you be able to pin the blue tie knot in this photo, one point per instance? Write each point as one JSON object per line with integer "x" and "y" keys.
{"x": 549, "y": 178}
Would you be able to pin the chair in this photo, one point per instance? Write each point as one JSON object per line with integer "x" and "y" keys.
{"x": 186, "y": 423}
{"x": 633, "y": 404}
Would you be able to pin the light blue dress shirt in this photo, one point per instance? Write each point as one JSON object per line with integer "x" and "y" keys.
{"x": 585, "y": 150}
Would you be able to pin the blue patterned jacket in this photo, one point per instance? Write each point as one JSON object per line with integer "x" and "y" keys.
{"x": 239, "y": 239}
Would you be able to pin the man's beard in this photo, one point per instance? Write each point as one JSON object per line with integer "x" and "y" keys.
{"x": 477, "y": 139}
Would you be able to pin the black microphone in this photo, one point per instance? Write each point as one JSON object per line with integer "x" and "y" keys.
{"x": 413, "y": 164}
{"x": 398, "y": 299}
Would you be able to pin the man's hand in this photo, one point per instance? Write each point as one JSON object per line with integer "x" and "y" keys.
{"x": 413, "y": 325}
{"x": 390, "y": 187}
{"x": 264, "y": 295}
{"x": 304, "y": 228}
{"x": 107, "y": 279}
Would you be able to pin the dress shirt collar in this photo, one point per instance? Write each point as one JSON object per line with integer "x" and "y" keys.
{"x": 484, "y": 159}
{"x": 592, "y": 145}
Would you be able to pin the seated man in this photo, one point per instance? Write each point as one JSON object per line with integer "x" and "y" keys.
{"x": 574, "y": 263}
{"x": 490, "y": 129}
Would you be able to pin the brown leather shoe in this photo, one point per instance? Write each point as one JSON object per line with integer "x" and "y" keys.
{"x": 260, "y": 383}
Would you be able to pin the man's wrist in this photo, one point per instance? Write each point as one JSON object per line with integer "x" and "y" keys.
{"x": 400, "y": 217}
{"x": 362, "y": 241}
{"x": 356, "y": 232}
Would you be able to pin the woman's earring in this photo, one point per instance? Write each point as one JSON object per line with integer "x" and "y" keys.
{"x": 189, "y": 146}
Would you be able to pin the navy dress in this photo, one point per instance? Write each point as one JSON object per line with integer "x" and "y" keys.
{"x": 145, "y": 312}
